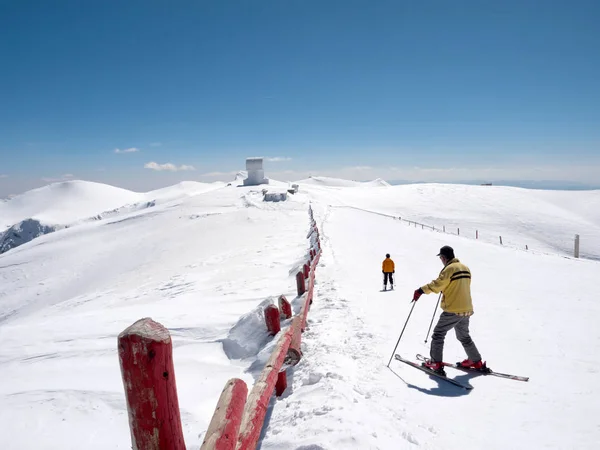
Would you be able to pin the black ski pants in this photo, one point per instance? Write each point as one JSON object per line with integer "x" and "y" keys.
{"x": 386, "y": 276}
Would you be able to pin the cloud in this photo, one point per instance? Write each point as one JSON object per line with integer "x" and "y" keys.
{"x": 155, "y": 144}
{"x": 167, "y": 167}
{"x": 64, "y": 177}
{"x": 3, "y": 175}
{"x": 278, "y": 159}
{"x": 127, "y": 150}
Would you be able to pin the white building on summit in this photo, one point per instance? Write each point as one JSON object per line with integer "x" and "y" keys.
{"x": 256, "y": 174}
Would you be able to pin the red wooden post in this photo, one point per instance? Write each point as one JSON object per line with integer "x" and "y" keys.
{"x": 300, "y": 285}
{"x": 272, "y": 319}
{"x": 258, "y": 400}
{"x": 223, "y": 430}
{"x": 146, "y": 359}
{"x": 305, "y": 270}
{"x": 281, "y": 384}
{"x": 294, "y": 353}
{"x": 284, "y": 307}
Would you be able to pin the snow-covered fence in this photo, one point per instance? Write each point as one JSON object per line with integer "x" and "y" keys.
{"x": 146, "y": 361}
{"x": 231, "y": 430}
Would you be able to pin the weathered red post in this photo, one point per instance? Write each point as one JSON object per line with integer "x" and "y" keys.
{"x": 305, "y": 270}
{"x": 223, "y": 430}
{"x": 300, "y": 285}
{"x": 146, "y": 359}
{"x": 272, "y": 319}
{"x": 294, "y": 354}
{"x": 258, "y": 399}
{"x": 285, "y": 307}
{"x": 281, "y": 384}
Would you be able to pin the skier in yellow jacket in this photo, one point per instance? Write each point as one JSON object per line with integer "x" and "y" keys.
{"x": 388, "y": 268}
{"x": 455, "y": 283}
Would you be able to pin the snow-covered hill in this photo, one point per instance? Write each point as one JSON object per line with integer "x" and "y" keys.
{"x": 338, "y": 182}
{"x": 204, "y": 259}
{"x": 68, "y": 203}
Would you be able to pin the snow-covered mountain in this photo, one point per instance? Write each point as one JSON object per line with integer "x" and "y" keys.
{"x": 203, "y": 259}
{"x": 68, "y": 203}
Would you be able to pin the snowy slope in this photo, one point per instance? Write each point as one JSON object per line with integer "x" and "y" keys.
{"x": 338, "y": 182}
{"x": 544, "y": 221}
{"x": 205, "y": 264}
{"x": 69, "y": 201}
{"x": 66, "y": 204}
{"x": 535, "y": 316}
{"x": 198, "y": 268}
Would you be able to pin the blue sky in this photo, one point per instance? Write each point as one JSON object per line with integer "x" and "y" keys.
{"x": 432, "y": 91}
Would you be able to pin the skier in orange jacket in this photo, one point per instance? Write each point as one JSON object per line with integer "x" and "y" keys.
{"x": 388, "y": 268}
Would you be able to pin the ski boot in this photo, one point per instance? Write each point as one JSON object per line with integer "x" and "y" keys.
{"x": 436, "y": 367}
{"x": 468, "y": 364}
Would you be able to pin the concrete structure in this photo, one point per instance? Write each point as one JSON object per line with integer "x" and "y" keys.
{"x": 256, "y": 173}
{"x": 275, "y": 197}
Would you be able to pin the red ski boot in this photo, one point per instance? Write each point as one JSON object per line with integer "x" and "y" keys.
{"x": 437, "y": 367}
{"x": 468, "y": 364}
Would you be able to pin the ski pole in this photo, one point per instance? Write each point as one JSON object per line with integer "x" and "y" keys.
{"x": 411, "y": 310}
{"x": 432, "y": 317}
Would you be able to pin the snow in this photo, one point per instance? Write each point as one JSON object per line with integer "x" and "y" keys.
{"x": 204, "y": 260}
{"x": 69, "y": 203}
{"x": 337, "y": 182}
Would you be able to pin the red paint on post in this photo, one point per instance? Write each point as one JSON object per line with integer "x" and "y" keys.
{"x": 223, "y": 430}
{"x": 294, "y": 353}
{"x": 281, "y": 384}
{"x": 285, "y": 307}
{"x": 272, "y": 319}
{"x": 305, "y": 270}
{"x": 258, "y": 400}
{"x": 300, "y": 285}
{"x": 146, "y": 359}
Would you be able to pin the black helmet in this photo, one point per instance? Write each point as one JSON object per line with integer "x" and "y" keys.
{"x": 387, "y": 255}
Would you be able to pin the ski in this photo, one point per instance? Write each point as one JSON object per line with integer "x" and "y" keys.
{"x": 431, "y": 372}
{"x": 483, "y": 372}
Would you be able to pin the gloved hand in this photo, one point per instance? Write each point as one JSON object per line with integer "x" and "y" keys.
{"x": 417, "y": 294}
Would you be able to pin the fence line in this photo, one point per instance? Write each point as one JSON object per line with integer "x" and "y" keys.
{"x": 576, "y": 242}
{"x": 148, "y": 375}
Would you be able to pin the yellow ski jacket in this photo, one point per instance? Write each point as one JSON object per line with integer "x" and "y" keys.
{"x": 455, "y": 283}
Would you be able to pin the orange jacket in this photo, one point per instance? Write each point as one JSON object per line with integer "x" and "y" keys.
{"x": 388, "y": 265}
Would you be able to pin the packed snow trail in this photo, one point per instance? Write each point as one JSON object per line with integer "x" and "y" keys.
{"x": 530, "y": 312}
